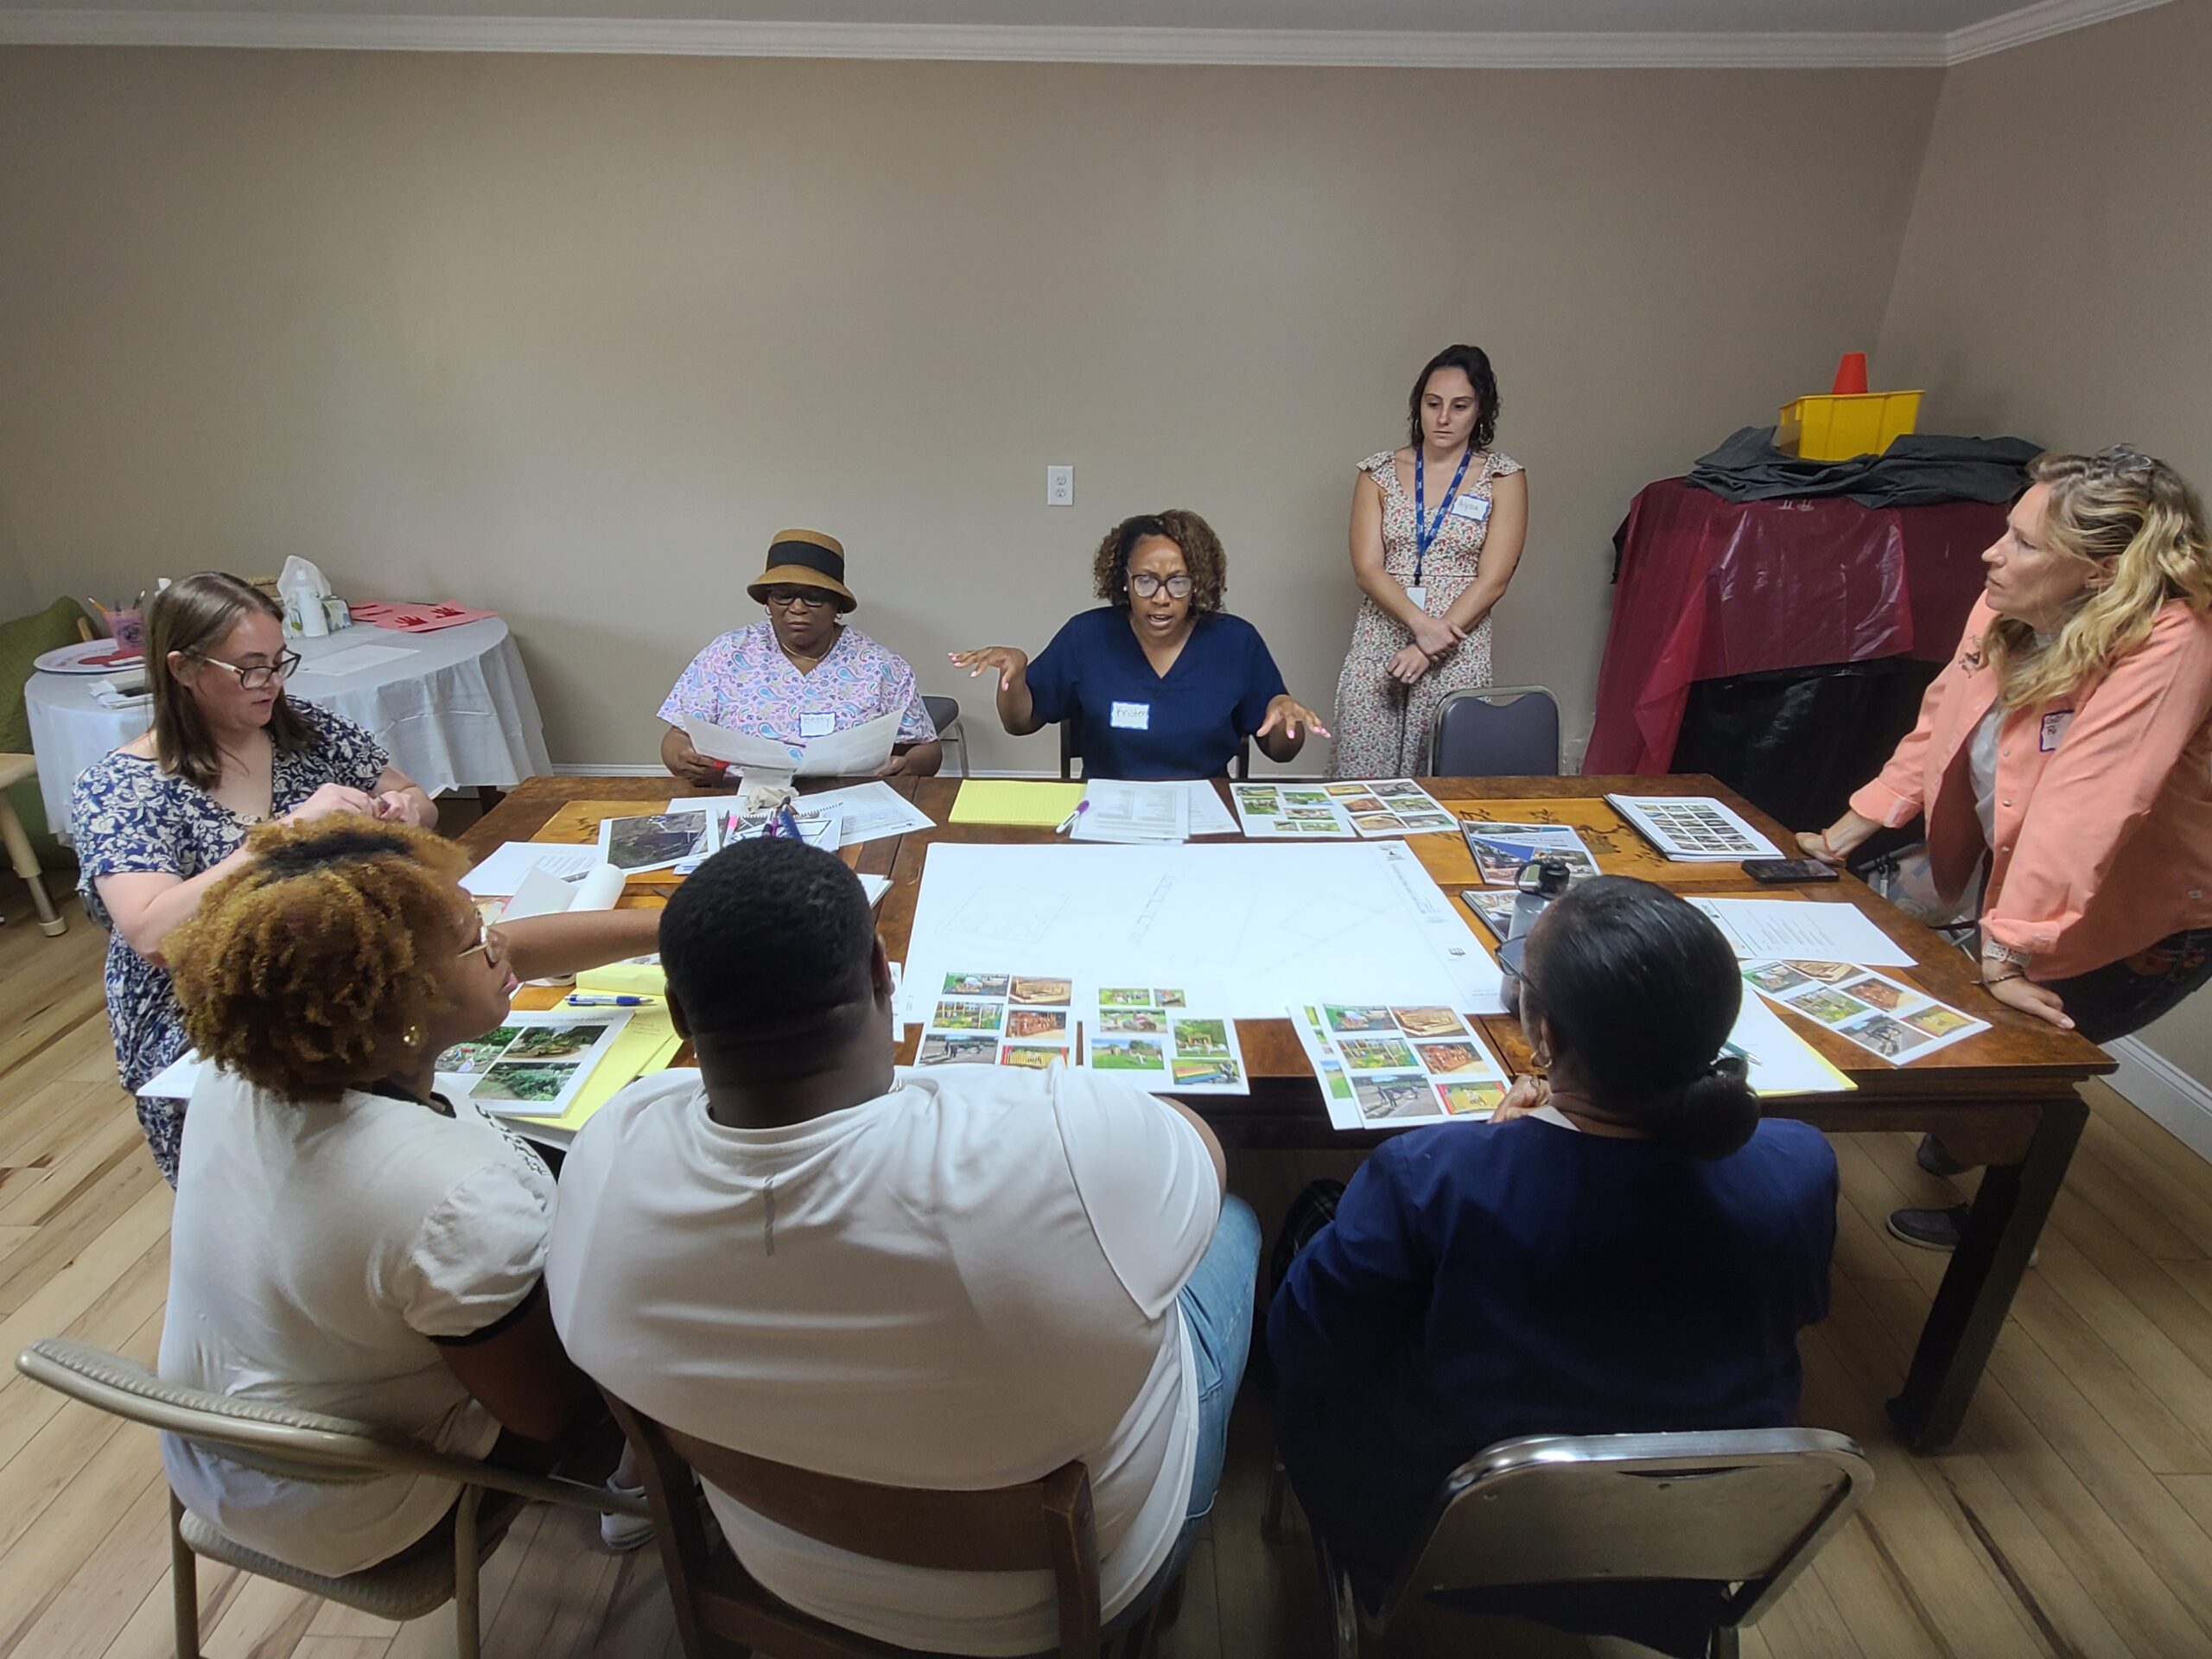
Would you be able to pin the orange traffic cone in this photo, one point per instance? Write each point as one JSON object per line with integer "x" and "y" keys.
{"x": 1850, "y": 375}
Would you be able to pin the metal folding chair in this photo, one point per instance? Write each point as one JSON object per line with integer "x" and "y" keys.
{"x": 944, "y": 714}
{"x": 312, "y": 1446}
{"x": 1746, "y": 1508}
{"x": 1501, "y": 731}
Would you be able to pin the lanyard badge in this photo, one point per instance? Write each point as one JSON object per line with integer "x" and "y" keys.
{"x": 1426, "y": 529}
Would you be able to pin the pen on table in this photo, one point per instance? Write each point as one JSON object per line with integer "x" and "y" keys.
{"x": 1068, "y": 823}
{"x": 581, "y": 1001}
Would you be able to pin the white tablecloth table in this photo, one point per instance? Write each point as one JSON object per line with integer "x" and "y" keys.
{"x": 455, "y": 713}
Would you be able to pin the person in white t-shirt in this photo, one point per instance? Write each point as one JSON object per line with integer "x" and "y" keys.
{"x": 342, "y": 1241}
{"x": 954, "y": 1278}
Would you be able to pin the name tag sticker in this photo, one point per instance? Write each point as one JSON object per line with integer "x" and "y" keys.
{"x": 819, "y": 725}
{"x": 2054, "y": 728}
{"x": 1133, "y": 716}
{"x": 1476, "y": 508}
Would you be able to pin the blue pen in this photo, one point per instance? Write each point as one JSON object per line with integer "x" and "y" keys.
{"x": 582, "y": 1001}
{"x": 787, "y": 822}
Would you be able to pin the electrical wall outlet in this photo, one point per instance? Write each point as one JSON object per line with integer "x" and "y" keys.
{"x": 1060, "y": 487}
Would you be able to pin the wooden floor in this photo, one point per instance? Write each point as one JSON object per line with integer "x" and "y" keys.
{"x": 2072, "y": 1519}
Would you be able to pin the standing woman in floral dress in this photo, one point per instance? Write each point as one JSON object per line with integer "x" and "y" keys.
{"x": 1437, "y": 528}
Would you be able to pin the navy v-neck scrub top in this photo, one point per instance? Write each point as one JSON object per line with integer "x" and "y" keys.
{"x": 1131, "y": 722}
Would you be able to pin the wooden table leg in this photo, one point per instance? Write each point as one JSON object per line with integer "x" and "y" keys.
{"x": 1976, "y": 1293}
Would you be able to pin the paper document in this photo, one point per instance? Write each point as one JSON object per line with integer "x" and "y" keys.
{"x": 1150, "y": 1035}
{"x": 1208, "y": 816}
{"x": 501, "y": 874}
{"x": 633, "y": 976}
{"x": 645, "y": 1045}
{"x": 739, "y": 748}
{"x": 1290, "y": 812}
{"x": 868, "y": 811}
{"x": 1692, "y": 828}
{"x": 1781, "y": 1062}
{"x": 1018, "y": 801}
{"x": 875, "y": 887}
{"x": 1386, "y": 1066}
{"x": 532, "y": 1064}
{"x": 856, "y": 751}
{"x": 986, "y": 1017}
{"x": 1134, "y": 813}
{"x": 541, "y": 892}
{"x": 1886, "y": 1017}
{"x": 1761, "y": 929}
{"x": 354, "y": 659}
{"x": 1501, "y": 849}
{"x": 177, "y": 1080}
{"x": 655, "y": 840}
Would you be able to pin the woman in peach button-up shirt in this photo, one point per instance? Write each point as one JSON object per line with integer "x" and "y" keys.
{"x": 2069, "y": 743}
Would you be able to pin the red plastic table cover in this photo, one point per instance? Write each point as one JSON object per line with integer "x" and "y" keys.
{"x": 1709, "y": 589}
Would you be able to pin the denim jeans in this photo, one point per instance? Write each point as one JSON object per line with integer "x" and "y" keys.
{"x": 1217, "y": 1302}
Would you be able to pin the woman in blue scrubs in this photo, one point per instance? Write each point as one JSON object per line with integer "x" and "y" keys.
{"x": 1159, "y": 681}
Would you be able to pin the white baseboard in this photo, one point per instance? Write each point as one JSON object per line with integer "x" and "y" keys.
{"x": 2163, "y": 1092}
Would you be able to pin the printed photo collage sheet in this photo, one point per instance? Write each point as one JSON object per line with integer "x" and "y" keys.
{"x": 1150, "y": 1035}
{"x": 531, "y": 1065}
{"x": 1883, "y": 1016}
{"x": 1147, "y": 1034}
{"x": 1389, "y": 1066}
{"x": 1392, "y": 806}
{"x": 1000, "y": 1019}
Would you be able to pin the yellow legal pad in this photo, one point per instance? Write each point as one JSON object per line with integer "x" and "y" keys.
{"x": 1017, "y": 801}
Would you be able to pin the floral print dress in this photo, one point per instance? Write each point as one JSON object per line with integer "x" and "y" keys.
{"x": 1381, "y": 726}
{"x": 128, "y": 815}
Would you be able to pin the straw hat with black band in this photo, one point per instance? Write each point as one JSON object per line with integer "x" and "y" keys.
{"x": 806, "y": 559}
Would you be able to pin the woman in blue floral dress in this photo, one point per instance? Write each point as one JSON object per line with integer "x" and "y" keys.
{"x": 160, "y": 819}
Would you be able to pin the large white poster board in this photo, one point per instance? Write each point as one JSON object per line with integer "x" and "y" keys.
{"x": 1245, "y": 929}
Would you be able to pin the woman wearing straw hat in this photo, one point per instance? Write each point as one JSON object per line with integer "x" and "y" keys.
{"x": 801, "y": 673}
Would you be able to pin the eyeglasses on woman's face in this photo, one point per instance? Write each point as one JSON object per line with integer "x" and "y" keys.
{"x": 805, "y": 599}
{"x": 254, "y": 677}
{"x": 490, "y": 941}
{"x": 1144, "y": 585}
{"x": 1510, "y": 957}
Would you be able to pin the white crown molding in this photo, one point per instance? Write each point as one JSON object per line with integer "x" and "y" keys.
{"x": 2034, "y": 22}
{"x": 1295, "y": 47}
{"x": 1282, "y": 47}
{"x": 2162, "y": 1091}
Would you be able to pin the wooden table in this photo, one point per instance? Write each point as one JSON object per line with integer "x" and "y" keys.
{"x": 2005, "y": 1098}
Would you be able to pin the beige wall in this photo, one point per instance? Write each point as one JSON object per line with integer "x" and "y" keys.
{"x": 569, "y": 336}
{"x": 2057, "y": 280}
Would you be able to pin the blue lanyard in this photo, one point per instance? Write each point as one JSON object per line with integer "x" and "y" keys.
{"x": 1425, "y": 533}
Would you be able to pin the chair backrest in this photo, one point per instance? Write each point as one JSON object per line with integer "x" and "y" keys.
{"x": 278, "y": 1440}
{"x": 1041, "y": 1525}
{"x": 1746, "y": 1507}
{"x": 1072, "y": 752}
{"x": 942, "y": 711}
{"x": 1503, "y": 731}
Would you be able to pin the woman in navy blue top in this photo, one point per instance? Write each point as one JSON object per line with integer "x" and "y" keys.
{"x": 1161, "y": 681}
{"x": 1625, "y": 1247}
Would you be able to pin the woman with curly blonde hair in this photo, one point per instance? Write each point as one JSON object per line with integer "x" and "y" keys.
{"x": 1159, "y": 681}
{"x": 2068, "y": 748}
{"x": 343, "y": 1241}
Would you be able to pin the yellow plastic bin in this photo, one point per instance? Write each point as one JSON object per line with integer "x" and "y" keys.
{"x": 1831, "y": 428}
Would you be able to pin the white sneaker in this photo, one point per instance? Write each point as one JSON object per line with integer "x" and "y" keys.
{"x": 623, "y": 1533}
